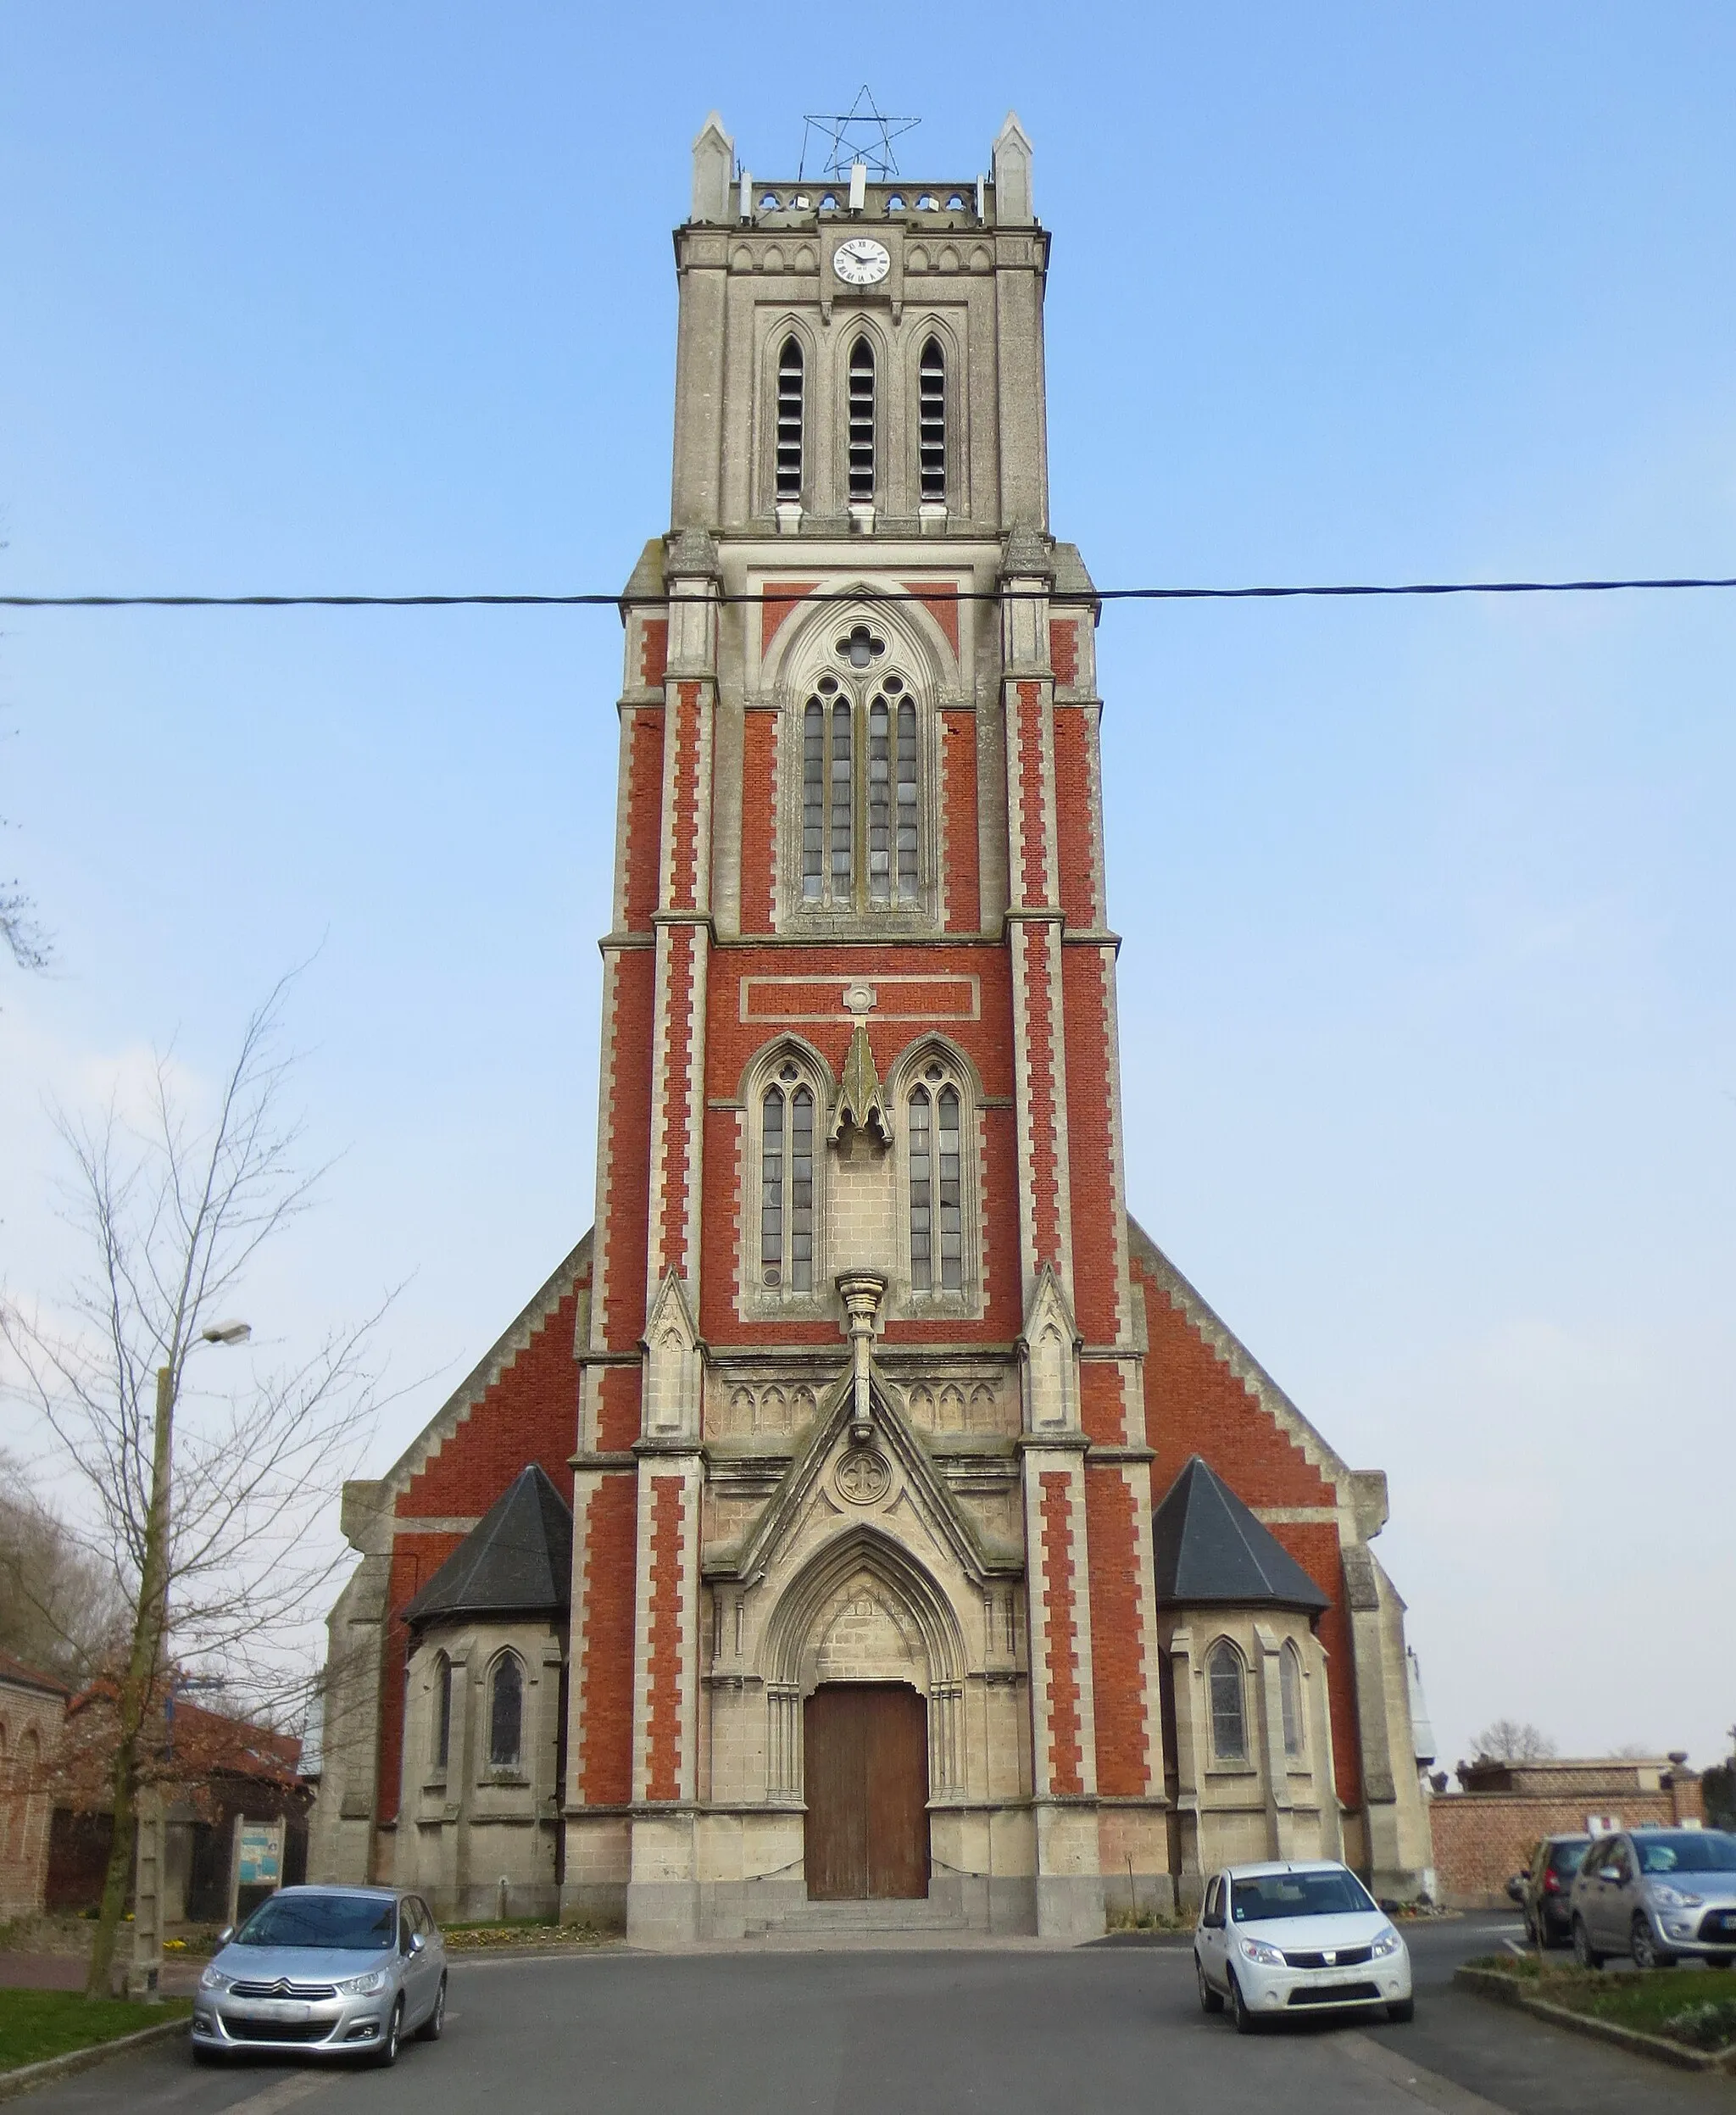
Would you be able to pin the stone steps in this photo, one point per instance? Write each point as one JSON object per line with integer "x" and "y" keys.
{"x": 864, "y": 1918}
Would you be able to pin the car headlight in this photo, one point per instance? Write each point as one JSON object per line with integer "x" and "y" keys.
{"x": 215, "y": 1980}
{"x": 1673, "y": 1897}
{"x": 1389, "y": 1942}
{"x": 362, "y": 1985}
{"x": 1256, "y": 1950}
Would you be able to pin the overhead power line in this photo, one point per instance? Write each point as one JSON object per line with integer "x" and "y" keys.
{"x": 940, "y": 592}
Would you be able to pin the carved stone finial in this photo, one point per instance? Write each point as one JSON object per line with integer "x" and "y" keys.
{"x": 860, "y": 1100}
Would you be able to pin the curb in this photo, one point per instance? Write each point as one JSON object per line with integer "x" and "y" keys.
{"x": 1183, "y": 1939}
{"x": 28, "y": 2076}
{"x": 1505, "y": 1990}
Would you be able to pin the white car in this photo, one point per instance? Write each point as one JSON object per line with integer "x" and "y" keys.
{"x": 1306, "y": 1936}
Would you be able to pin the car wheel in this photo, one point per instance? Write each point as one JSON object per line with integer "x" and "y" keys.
{"x": 1246, "y": 2023}
{"x": 432, "y": 2027}
{"x": 387, "y": 2054}
{"x": 1645, "y": 1948}
{"x": 1584, "y": 1952}
{"x": 1402, "y": 2012}
{"x": 1210, "y": 2001}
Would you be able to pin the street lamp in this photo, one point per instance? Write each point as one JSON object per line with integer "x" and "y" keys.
{"x": 148, "y": 1655}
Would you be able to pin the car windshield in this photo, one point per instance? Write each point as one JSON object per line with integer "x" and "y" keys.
{"x": 342, "y": 1924}
{"x": 1268, "y": 1896}
{"x": 1565, "y": 1857}
{"x": 1687, "y": 1851}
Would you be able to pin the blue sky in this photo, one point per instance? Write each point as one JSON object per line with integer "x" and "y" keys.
{"x": 1429, "y": 1052}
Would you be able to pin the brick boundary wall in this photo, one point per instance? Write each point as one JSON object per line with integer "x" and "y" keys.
{"x": 1482, "y": 1838}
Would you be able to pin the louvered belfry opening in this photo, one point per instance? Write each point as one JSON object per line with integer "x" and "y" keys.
{"x": 931, "y": 433}
{"x": 861, "y": 430}
{"x": 790, "y": 385}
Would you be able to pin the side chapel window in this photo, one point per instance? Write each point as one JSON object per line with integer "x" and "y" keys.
{"x": 861, "y": 420}
{"x": 506, "y": 1712}
{"x": 790, "y": 379}
{"x": 860, "y": 846}
{"x": 443, "y": 1710}
{"x": 1223, "y": 1680}
{"x": 934, "y": 1160}
{"x": 930, "y": 426}
{"x": 786, "y": 1183}
{"x": 1290, "y": 1691}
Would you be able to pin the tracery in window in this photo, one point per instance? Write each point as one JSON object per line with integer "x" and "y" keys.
{"x": 1290, "y": 1692}
{"x": 931, "y": 428}
{"x": 506, "y": 1712}
{"x": 786, "y": 1183}
{"x": 861, "y": 420}
{"x": 790, "y": 386}
{"x": 861, "y": 830}
{"x": 1223, "y": 1681}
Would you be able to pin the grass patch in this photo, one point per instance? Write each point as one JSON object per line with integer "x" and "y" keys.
{"x": 1694, "y": 2007}
{"x": 37, "y": 2024}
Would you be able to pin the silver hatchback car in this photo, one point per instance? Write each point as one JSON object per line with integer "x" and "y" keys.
{"x": 1659, "y": 1895}
{"x": 324, "y": 1971}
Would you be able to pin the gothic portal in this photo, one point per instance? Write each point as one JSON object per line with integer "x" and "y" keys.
{"x": 866, "y": 1509}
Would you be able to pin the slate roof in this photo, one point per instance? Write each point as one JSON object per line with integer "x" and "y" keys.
{"x": 516, "y": 1560}
{"x": 1212, "y": 1551}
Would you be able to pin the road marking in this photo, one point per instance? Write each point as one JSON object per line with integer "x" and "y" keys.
{"x": 1428, "y": 2087}
{"x": 284, "y": 2093}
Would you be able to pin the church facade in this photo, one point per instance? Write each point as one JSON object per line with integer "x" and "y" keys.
{"x": 865, "y": 1509}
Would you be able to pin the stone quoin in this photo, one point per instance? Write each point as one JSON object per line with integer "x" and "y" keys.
{"x": 866, "y": 1507}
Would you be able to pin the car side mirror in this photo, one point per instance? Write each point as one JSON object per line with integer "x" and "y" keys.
{"x": 1609, "y": 1872}
{"x": 417, "y": 1942}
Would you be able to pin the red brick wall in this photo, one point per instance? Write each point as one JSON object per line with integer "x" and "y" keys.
{"x": 643, "y": 797}
{"x": 653, "y": 651}
{"x": 1060, "y": 1666}
{"x": 961, "y": 883}
{"x": 1483, "y": 1838}
{"x": 1117, "y": 1633}
{"x": 759, "y": 819}
{"x": 623, "y": 1233}
{"x": 1063, "y": 648}
{"x": 605, "y": 1672}
{"x": 780, "y": 599}
{"x": 1090, "y": 1147}
{"x": 662, "y": 1756}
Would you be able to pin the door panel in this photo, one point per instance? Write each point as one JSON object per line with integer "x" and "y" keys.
{"x": 866, "y": 1769}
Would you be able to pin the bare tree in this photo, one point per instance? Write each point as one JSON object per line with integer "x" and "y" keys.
{"x": 215, "y": 1537}
{"x": 1514, "y": 1740}
{"x": 61, "y": 1606}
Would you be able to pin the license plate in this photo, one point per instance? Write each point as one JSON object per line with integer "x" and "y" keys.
{"x": 286, "y": 2015}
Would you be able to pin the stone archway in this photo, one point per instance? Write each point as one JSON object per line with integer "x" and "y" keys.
{"x": 864, "y": 1661}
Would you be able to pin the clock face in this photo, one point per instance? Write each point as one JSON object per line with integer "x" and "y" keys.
{"x": 861, "y": 261}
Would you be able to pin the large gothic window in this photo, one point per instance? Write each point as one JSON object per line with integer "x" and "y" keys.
{"x": 861, "y": 848}
{"x": 790, "y": 380}
{"x": 861, "y": 419}
{"x": 935, "y": 1163}
{"x": 1290, "y": 1694}
{"x": 786, "y": 1119}
{"x": 506, "y": 1713}
{"x": 931, "y": 430}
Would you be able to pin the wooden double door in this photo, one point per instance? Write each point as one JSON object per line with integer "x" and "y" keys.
{"x": 866, "y": 1771}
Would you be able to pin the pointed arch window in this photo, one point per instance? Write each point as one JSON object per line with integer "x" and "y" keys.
{"x": 506, "y": 1713}
{"x": 787, "y": 1113}
{"x": 860, "y": 764}
{"x": 792, "y": 379}
{"x": 442, "y": 1711}
{"x": 931, "y": 428}
{"x": 861, "y": 420}
{"x": 935, "y": 1163}
{"x": 1290, "y": 1694}
{"x": 1229, "y": 1713}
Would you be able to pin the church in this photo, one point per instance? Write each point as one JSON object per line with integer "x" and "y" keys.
{"x": 865, "y": 1520}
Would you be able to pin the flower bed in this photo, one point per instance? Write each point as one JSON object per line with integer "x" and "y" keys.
{"x": 1689, "y": 2010}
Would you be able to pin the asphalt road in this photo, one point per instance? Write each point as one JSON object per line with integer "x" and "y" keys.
{"x": 907, "y": 2033}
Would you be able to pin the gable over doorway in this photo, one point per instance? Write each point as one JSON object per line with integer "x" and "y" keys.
{"x": 866, "y": 1835}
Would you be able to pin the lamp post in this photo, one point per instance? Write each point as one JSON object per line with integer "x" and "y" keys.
{"x": 150, "y": 1648}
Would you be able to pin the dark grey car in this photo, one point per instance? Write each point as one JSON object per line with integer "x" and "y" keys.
{"x": 327, "y": 1972}
{"x": 1659, "y": 1895}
